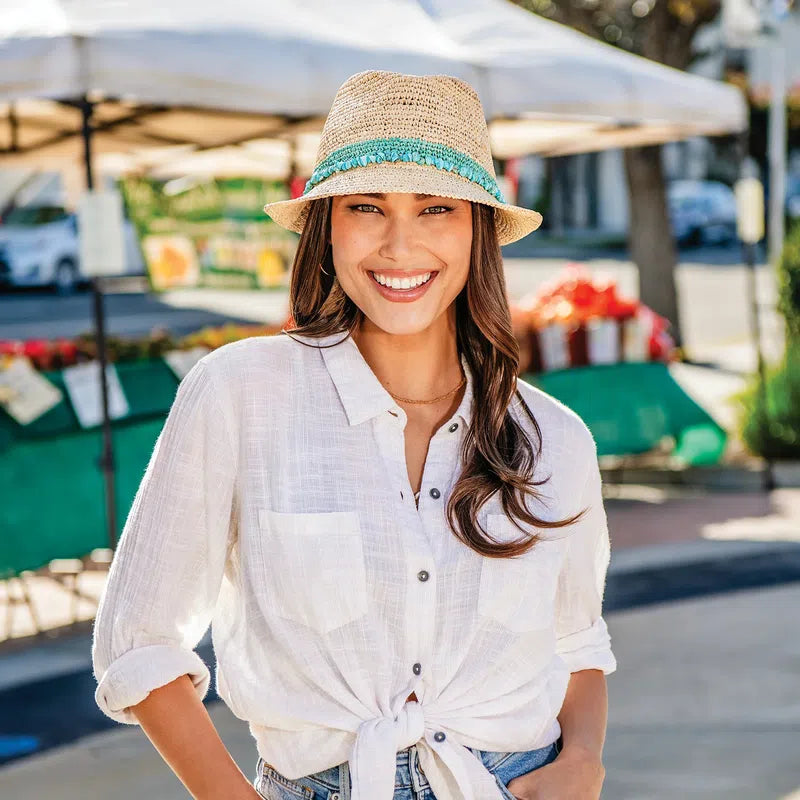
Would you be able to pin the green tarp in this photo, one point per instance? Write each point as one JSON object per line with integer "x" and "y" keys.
{"x": 51, "y": 484}
{"x": 631, "y": 407}
{"x": 148, "y": 385}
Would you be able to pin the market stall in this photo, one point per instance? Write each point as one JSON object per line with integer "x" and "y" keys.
{"x": 50, "y": 479}
{"x": 79, "y": 80}
{"x": 608, "y": 358}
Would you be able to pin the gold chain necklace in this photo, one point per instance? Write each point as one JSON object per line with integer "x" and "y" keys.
{"x": 435, "y": 399}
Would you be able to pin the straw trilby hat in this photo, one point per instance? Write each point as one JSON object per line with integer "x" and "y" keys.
{"x": 390, "y": 132}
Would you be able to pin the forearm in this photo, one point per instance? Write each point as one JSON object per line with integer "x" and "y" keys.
{"x": 177, "y": 723}
{"x": 584, "y": 713}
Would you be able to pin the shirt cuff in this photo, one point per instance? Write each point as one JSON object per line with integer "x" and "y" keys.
{"x": 588, "y": 649}
{"x": 132, "y": 676}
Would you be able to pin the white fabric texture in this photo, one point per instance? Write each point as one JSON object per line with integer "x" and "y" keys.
{"x": 277, "y": 506}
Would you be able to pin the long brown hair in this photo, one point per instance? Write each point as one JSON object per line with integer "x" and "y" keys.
{"x": 496, "y": 452}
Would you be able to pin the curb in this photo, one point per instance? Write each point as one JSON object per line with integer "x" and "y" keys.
{"x": 786, "y": 475}
{"x": 644, "y": 576}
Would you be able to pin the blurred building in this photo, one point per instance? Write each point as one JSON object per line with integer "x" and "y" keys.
{"x": 587, "y": 193}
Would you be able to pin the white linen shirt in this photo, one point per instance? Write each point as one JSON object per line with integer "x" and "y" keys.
{"x": 277, "y": 506}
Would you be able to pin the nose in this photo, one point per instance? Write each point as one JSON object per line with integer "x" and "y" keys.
{"x": 398, "y": 239}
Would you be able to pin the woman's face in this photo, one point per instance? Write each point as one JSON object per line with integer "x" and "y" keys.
{"x": 379, "y": 239}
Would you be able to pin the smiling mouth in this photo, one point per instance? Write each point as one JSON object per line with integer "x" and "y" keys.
{"x": 405, "y": 283}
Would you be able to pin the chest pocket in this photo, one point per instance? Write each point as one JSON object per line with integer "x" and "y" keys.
{"x": 317, "y": 576}
{"x": 519, "y": 592}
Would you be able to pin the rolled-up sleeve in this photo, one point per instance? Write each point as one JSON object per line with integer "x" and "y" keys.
{"x": 167, "y": 570}
{"x": 583, "y": 640}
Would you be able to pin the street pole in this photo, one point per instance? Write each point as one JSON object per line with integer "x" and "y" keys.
{"x": 750, "y": 226}
{"x": 106, "y": 460}
{"x": 777, "y": 149}
{"x": 746, "y": 25}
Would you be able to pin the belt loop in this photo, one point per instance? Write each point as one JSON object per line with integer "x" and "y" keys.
{"x": 419, "y": 780}
{"x": 344, "y": 780}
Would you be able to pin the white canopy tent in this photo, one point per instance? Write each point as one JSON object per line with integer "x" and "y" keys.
{"x": 160, "y": 74}
{"x": 552, "y": 90}
{"x": 211, "y": 75}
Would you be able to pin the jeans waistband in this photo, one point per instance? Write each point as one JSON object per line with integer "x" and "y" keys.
{"x": 336, "y": 780}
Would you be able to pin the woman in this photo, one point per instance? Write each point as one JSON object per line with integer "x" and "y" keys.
{"x": 402, "y": 546}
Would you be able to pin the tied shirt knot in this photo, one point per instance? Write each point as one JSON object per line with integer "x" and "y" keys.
{"x": 453, "y": 771}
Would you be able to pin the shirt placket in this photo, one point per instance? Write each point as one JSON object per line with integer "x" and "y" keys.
{"x": 423, "y": 525}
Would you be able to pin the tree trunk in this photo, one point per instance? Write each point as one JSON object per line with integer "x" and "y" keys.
{"x": 650, "y": 239}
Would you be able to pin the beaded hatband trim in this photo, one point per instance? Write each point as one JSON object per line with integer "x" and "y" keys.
{"x": 397, "y": 148}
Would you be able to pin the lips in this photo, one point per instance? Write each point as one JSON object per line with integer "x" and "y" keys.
{"x": 404, "y": 295}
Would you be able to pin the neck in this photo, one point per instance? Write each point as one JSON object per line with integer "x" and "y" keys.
{"x": 419, "y": 366}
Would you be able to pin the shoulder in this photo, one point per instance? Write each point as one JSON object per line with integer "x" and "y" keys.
{"x": 256, "y": 360}
{"x": 273, "y": 367}
{"x": 562, "y": 429}
{"x": 231, "y": 371}
{"x": 249, "y": 353}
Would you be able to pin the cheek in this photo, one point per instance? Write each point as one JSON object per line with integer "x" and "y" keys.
{"x": 349, "y": 247}
{"x": 454, "y": 248}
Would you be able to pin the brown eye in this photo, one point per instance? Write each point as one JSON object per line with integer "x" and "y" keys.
{"x": 444, "y": 210}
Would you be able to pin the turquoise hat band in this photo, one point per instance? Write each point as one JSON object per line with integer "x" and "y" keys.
{"x": 399, "y": 148}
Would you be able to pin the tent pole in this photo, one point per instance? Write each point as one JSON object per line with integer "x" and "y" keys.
{"x": 106, "y": 460}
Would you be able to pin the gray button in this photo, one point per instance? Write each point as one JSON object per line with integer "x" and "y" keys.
{"x": 417, "y": 668}
{"x": 453, "y": 427}
{"x": 423, "y": 575}
{"x": 434, "y": 493}
{"x": 439, "y": 736}
{"x": 335, "y": 796}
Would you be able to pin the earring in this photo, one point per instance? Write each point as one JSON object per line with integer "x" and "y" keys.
{"x": 323, "y": 269}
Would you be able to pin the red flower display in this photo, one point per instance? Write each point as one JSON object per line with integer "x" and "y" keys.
{"x": 577, "y": 319}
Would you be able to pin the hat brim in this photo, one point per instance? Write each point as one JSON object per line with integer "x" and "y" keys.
{"x": 512, "y": 222}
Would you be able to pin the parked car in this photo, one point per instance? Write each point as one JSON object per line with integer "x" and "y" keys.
{"x": 793, "y": 198}
{"x": 701, "y": 212}
{"x": 39, "y": 246}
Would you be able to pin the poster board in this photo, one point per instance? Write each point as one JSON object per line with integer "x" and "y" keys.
{"x": 210, "y": 232}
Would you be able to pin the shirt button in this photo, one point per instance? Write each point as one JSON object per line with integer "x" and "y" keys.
{"x": 453, "y": 427}
{"x": 423, "y": 575}
{"x": 417, "y": 668}
{"x": 439, "y": 736}
{"x": 434, "y": 493}
{"x": 335, "y": 796}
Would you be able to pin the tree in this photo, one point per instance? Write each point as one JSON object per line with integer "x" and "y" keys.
{"x": 663, "y": 31}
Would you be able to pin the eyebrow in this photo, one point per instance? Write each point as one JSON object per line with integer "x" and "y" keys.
{"x": 381, "y": 196}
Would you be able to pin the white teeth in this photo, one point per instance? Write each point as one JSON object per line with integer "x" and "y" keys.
{"x": 402, "y": 283}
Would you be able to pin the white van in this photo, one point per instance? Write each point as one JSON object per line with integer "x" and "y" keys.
{"x": 39, "y": 247}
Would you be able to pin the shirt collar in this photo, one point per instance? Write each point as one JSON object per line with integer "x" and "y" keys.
{"x": 362, "y": 394}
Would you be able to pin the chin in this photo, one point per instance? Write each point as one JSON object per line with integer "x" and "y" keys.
{"x": 398, "y": 326}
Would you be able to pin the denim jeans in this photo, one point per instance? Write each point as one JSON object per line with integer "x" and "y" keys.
{"x": 410, "y": 782}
